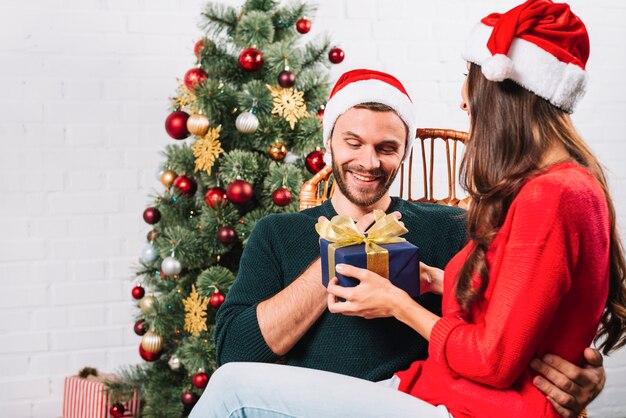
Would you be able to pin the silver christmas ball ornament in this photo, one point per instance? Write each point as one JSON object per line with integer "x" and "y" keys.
{"x": 171, "y": 266}
{"x": 174, "y": 363}
{"x": 247, "y": 123}
{"x": 149, "y": 253}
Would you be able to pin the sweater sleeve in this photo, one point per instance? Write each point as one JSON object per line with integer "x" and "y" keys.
{"x": 529, "y": 273}
{"x": 237, "y": 335}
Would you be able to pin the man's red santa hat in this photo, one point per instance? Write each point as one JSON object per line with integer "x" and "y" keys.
{"x": 540, "y": 45}
{"x": 369, "y": 86}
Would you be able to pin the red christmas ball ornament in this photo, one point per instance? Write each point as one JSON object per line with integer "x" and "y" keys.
{"x": 320, "y": 112}
{"x": 189, "y": 398}
{"x": 336, "y": 55}
{"x": 176, "y": 124}
{"x": 216, "y": 197}
{"x": 216, "y": 300}
{"x": 140, "y": 327}
{"x": 185, "y": 185}
{"x": 315, "y": 161}
{"x": 151, "y": 215}
{"x": 200, "y": 380}
{"x": 198, "y": 47}
{"x": 226, "y": 235}
{"x": 138, "y": 292}
{"x": 147, "y": 356}
{"x": 286, "y": 79}
{"x": 195, "y": 77}
{"x": 117, "y": 410}
{"x": 239, "y": 191}
{"x": 281, "y": 196}
{"x": 251, "y": 59}
{"x": 303, "y": 25}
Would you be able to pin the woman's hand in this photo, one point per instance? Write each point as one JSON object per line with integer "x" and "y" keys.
{"x": 431, "y": 279}
{"x": 374, "y": 297}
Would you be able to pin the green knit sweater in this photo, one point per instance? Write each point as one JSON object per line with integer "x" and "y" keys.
{"x": 282, "y": 246}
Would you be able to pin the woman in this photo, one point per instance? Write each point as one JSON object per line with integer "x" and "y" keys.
{"x": 544, "y": 266}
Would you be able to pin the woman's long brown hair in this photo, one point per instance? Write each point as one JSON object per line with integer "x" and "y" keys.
{"x": 504, "y": 151}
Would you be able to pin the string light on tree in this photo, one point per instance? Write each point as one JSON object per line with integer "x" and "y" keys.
{"x": 176, "y": 124}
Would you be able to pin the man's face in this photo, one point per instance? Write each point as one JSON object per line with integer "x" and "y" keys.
{"x": 367, "y": 149}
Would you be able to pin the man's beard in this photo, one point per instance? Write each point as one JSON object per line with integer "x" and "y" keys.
{"x": 363, "y": 198}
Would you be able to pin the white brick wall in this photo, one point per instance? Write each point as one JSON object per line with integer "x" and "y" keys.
{"x": 83, "y": 98}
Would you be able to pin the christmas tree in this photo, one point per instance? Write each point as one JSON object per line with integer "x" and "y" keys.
{"x": 249, "y": 115}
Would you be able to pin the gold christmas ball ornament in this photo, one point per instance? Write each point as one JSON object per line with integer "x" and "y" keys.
{"x": 167, "y": 177}
{"x": 277, "y": 151}
{"x": 198, "y": 124}
{"x": 152, "y": 235}
{"x": 152, "y": 342}
{"x": 147, "y": 304}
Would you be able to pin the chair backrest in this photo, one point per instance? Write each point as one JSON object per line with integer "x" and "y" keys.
{"x": 321, "y": 186}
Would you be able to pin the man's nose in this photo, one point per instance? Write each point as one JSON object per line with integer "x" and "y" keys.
{"x": 369, "y": 158}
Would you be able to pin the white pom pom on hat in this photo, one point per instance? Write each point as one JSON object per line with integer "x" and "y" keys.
{"x": 498, "y": 67}
{"x": 540, "y": 45}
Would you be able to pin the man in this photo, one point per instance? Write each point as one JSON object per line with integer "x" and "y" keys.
{"x": 276, "y": 309}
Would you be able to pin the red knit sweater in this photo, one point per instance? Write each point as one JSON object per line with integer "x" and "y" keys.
{"x": 549, "y": 267}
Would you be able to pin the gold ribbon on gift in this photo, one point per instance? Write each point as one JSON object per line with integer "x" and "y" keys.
{"x": 342, "y": 232}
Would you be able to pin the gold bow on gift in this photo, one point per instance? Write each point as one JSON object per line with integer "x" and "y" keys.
{"x": 342, "y": 232}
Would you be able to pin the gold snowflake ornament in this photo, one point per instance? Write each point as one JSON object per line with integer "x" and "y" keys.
{"x": 207, "y": 149}
{"x": 184, "y": 97}
{"x": 288, "y": 103}
{"x": 195, "y": 312}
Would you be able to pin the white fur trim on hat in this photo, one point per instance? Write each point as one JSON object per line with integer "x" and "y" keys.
{"x": 533, "y": 68}
{"x": 370, "y": 91}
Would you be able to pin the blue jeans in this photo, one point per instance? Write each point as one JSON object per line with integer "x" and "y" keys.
{"x": 278, "y": 391}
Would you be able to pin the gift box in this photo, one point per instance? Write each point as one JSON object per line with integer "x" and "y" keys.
{"x": 381, "y": 251}
{"x": 86, "y": 397}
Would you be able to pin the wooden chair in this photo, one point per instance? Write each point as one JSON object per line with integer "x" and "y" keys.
{"x": 321, "y": 186}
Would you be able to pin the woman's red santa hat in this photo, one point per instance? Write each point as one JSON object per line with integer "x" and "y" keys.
{"x": 369, "y": 86}
{"x": 540, "y": 45}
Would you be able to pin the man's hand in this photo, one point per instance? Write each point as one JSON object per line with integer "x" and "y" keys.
{"x": 568, "y": 387}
